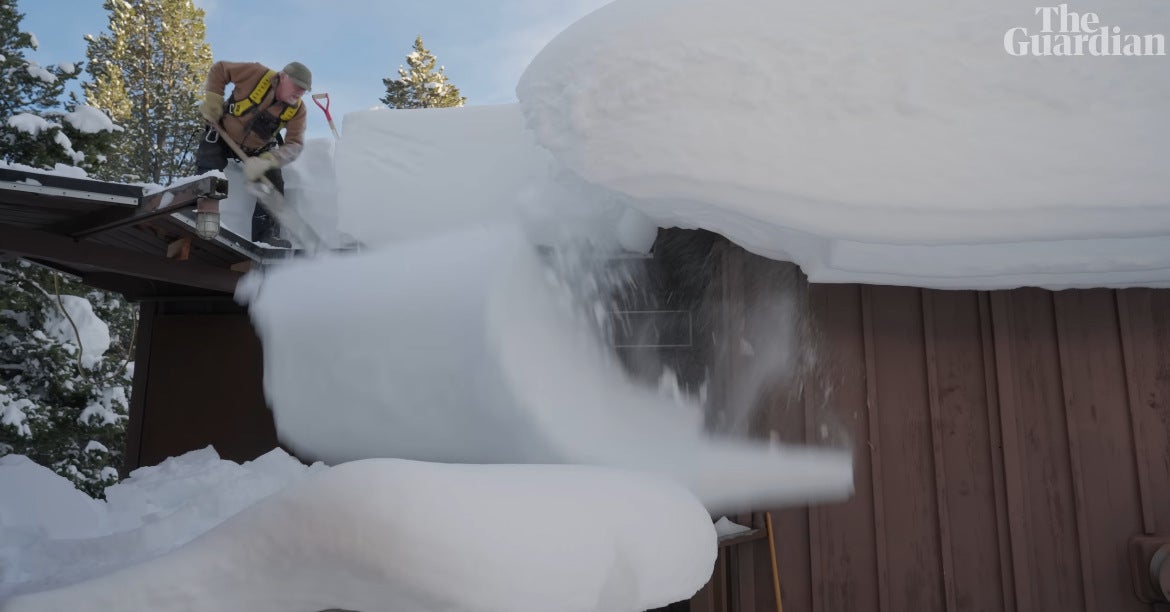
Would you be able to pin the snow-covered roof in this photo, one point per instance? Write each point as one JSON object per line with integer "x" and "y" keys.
{"x": 878, "y": 144}
{"x": 896, "y": 144}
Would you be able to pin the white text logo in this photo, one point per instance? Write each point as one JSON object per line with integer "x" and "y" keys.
{"x": 1063, "y": 32}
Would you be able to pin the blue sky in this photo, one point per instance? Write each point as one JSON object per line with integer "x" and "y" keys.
{"x": 350, "y": 45}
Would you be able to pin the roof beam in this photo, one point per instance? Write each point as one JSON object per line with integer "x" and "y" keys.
{"x": 65, "y": 250}
{"x": 159, "y": 203}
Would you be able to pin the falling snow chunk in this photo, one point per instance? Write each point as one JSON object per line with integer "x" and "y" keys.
{"x": 536, "y": 384}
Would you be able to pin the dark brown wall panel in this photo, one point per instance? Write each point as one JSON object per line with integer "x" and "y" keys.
{"x": 205, "y": 388}
{"x": 743, "y": 572}
{"x": 913, "y": 550}
{"x": 1052, "y": 572}
{"x": 1007, "y": 446}
{"x": 1145, "y": 319}
{"x": 844, "y": 557}
{"x": 953, "y": 324}
{"x": 1102, "y": 454}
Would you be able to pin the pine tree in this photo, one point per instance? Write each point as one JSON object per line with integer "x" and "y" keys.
{"x": 61, "y": 410}
{"x": 63, "y": 392}
{"x": 148, "y": 73}
{"x": 421, "y": 86}
{"x": 37, "y": 126}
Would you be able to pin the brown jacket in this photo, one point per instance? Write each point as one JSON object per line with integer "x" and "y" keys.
{"x": 244, "y": 76}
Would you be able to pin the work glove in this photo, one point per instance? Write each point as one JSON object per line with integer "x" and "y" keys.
{"x": 256, "y": 167}
{"x": 212, "y": 107}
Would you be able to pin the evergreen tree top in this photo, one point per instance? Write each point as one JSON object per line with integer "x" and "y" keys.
{"x": 147, "y": 71}
{"x": 39, "y": 125}
{"x": 420, "y": 84}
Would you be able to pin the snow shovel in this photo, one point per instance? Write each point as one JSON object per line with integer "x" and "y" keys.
{"x": 328, "y": 117}
{"x": 273, "y": 202}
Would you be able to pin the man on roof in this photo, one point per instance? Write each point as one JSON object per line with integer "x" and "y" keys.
{"x": 263, "y": 102}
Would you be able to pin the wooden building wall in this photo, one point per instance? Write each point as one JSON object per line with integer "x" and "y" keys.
{"x": 197, "y": 381}
{"x": 1007, "y": 446}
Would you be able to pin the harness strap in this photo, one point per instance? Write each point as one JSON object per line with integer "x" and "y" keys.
{"x": 253, "y": 101}
{"x": 239, "y": 107}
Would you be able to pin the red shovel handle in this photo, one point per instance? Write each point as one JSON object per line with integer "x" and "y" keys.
{"x": 317, "y": 100}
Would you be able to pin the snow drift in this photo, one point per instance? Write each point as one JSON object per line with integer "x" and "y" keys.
{"x": 390, "y": 535}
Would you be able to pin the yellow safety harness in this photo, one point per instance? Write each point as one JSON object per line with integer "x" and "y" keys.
{"x": 239, "y": 108}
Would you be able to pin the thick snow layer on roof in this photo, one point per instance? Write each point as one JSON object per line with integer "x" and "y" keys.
{"x": 376, "y": 535}
{"x": 406, "y": 174}
{"x": 877, "y": 143}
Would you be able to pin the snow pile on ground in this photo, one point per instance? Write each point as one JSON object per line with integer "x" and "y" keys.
{"x": 52, "y": 534}
{"x": 890, "y": 144}
{"x": 460, "y": 347}
{"x": 48, "y": 504}
{"x": 376, "y": 535}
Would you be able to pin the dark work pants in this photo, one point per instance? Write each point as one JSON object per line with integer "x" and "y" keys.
{"x": 214, "y": 156}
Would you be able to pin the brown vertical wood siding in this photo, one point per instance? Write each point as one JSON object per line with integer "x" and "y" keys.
{"x": 197, "y": 382}
{"x": 1007, "y": 446}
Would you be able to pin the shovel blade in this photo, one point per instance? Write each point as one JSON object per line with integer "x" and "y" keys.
{"x": 273, "y": 201}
